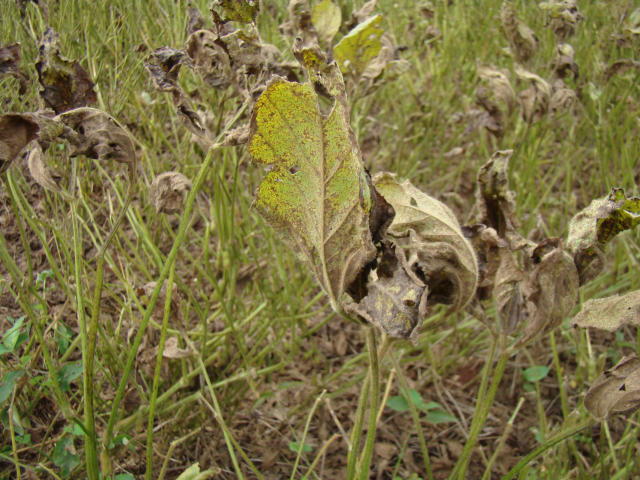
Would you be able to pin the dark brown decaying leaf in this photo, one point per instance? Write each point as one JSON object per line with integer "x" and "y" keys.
{"x": 617, "y": 390}
{"x": 610, "y": 313}
{"x": 10, "y": 64}
{"x": 195, "y": 19}
{"x": 495, "y": 95}
{"x": 97, "y": 135}
{"x": 168, "y": 191}
{"x": 65, "y": 83}
{"x": 534, "y": 100}
{"x": 522, "y": 40}
{"x": 39, "y": 170}
{"x": 591, "y": 228}
{"x": 16, "y": 131}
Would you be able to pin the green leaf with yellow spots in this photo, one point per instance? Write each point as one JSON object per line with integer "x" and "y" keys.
{"x": 316, "y": 194}
{"x": 360, "y": 46}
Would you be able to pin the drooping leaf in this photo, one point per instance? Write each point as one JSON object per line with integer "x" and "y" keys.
{"x": 168, "y": 191}
{"x": 8, "y": 384}
{"x": 16, "y": 131}
{"x": 610, "y": 313}
{"x": 10, "y": 65}
{"x": 563, "y": 16}
{"x": 359, "y": 47}
{"x": 326, "y": 18}
{"x": 496, "y": 96}
{"x": 430, "y": 236}
{"x": 507, "y": 291}
{"x": 386, "y": 64}
{"x": 40, "y": 172}
{"x": 564, "y": 62}
{"x": 563, "y": 99}
{"x": 534, "y": 100}
{"x": 317, "y": 193}
{"x": 65, "y": 83}
{"x": 594, "y": 226}
{"x": 243, "y": 11}
{"x": 522, "y": 40}
{"x": 617, "y": 390}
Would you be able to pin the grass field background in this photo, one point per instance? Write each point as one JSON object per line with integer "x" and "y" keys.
{"x": 264, "y": 380}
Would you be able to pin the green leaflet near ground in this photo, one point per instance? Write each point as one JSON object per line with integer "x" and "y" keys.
{"x": 316, "y": 194}
{"x": 358, "y": 47}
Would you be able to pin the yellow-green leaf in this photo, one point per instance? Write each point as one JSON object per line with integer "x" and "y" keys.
{"x": 316, "y": 194}
{"x": 360, "y": 46}
{"x": 326, "y": 18}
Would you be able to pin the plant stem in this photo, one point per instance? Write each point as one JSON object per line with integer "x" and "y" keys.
{"x": 156, "y": 374}
{"x": 356, "y": 431}
{"x": 550, "y": 442}
{"x": 483, "y": 404}
{"x": 374, "y": 393}
{"x": 305, "y": 432}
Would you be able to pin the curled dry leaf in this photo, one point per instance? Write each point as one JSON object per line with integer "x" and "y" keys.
{"x": 16, "y": 131}
{"x": 621, "y": 66}
{"x": 10, "y": 64}
{"x": 360, "y": 15}
{"x": 563, "y": 98}
{"x": 563, "y": 16}
{"x": 594, "y": 226}
{"x": 97, "y": 135}
{"x": 40, "y": 172}
{"x": 172, "y": 350}
{"x": 509, "y": 299}
{"x": 195, "y": 20}
{"x": 610, "y": 313}
{"x": 316, "y": 194}
{"x": 243, "y": 11}
{"x": 386, "y": 64}
{"x": 495, "y": 95}
{"x": 168, "y": 192}
{"x": 617, "y": 390}
{"x": 326, "y": 18}
{"x": 430, "y": 238}
{"x": 534, "y": 100}
{"x": 210, "y": 58}
{"x": 522, "y": 40}
{"x": 65, "y": 83}
{"x": 355, "y": 51}
{"x": 564, "y": 63}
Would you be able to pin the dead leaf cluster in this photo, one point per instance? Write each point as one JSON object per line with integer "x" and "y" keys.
{"x": 562, "y": 16}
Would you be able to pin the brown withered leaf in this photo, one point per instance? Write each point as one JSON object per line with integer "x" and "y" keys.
{"x": 360, "y": 15}
{"x": 617, "y": 390}
{"x": 509, "y": 299}
{"x": 243, "y": 11}
{"x": 522, "y": 41}
{"x": 430, "y": 237}
{"x": 95, "y": 134}
{"x": 563, "y": 99}
{"x": 563, "y": 16}
{"x": 621, "y": 66}
{"x": 564, "y": 63}
{"x": 591, "y": 228}
{"x": 10, "y": 65}
{"x": 210, "y": 58}
{"x": 168, "y": 191}
{"x": 610, "y": 313}
{"x": 495, "y": 95}
{"x": 534, "y": 101}
{"x": 236, "y": 136}
{"x": 16, "y": 131}
{"x": 386, "y": 66}
{"x": 40, "y": 172}
{"x": 551, "y": 288}
{"x": 299, "y": 22}
{"x": 173, "y": 351}
{"x": 195, "y": 19}
{"x": 65, "y": 83}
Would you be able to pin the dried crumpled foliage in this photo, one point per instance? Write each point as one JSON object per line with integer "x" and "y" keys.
{"x": 617, "y": 390}
{"x": 563, "y": 16}
{"x": 563, "y": 98}
{"x": 564, "y": 63}
{"x": 42, "y": 174}
{"x": 10, "y": 56}
{"x": 522, "y": 41}
{"x": 610, "y": 313}
{"x": 496, "y": 96}
{"x": 242, "y": 11}
{"x": 534, "y": 100}
{"x": 168, "y": 191}
{"x": 16, "y": 132}
{"x": 620, "y": 66}
{"x": 591, "y": 228}
{"x": 65, "y": 83}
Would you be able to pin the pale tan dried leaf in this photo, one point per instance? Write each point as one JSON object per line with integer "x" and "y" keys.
{"x": 495, "y": 95}
{"x": 359, "y": 16}
{"x": 563, "y": 99}
{"x": 510, "y": 302}
{"x": 386, "y": 55}
{"x": 617, "y": 390}
{"x": 210, "y": 58}
{"x": 16, "y": 131}
{"x": 563, "y": 16}
{"x": 564, "y": 62}
{"x": 430, "y": 237}
{"x": 236, "y": 136}
{"x": 535, "y": 100}
{"x": 39, "y": 170}
{"x": 610, "y": 313}
{"x": 522, "y": 41}
{"x": 172, "y": 350}
{"x": 168, "y": 192}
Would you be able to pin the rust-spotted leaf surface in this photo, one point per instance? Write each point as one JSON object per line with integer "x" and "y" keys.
{"x": 243, "y": 11}
{"x": 65, "y": 83}
{"x": 610, "y": 313}
{"x": 316, "y": 194}
{"x": 360, "y": 46}
{"x": 617, "y": 390}
{"x": 16, "y": 131}
{"x": 429, "y": 234}
{"x": 598, "y": 223}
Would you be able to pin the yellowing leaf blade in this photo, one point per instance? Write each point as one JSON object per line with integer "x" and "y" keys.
{"x": 360, "y": 46}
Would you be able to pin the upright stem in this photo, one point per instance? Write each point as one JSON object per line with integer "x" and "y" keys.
{"x": 483, "y": 404}
{"x": 374, "y": 393}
